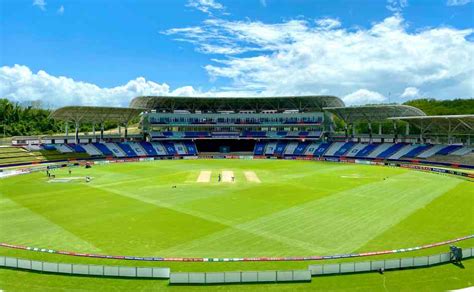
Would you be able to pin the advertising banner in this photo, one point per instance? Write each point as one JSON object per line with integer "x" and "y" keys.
{"x": 261, "y": 259}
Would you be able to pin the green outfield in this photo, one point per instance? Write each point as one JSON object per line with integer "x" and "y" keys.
{"x": 259, "y": 208}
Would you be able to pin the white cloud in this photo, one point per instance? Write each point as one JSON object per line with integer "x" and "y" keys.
{"x": 61, "y": 10}
{"x": 41, "y": 4}
{"x": 295, "y": 57}
{"x": 206, "y": 6}
{"x": 328, "y": 23}
{"x": 218, "y": 36}
{"x": 458, "y": 2}
{"x": 396, "y": 6}
{"x": 364, "y": 96}
{"x": 302, "y": 57}
{"x": 410, "y": 92}
{"x": 19, "y": 83}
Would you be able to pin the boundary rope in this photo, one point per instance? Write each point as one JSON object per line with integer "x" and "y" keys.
{"x": 247, "y": 259}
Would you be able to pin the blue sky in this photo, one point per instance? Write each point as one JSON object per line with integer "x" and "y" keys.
{"x": 105, "y": 52}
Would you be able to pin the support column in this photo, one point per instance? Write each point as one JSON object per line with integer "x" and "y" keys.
{"x": 93, "y": 129}
{"x": 370, "y": 132}
{"x": 346, "y": 132}
{"x": 102, "y": 132}
{"x": 67, "y": 129}
{"x": 76, "y": 133}
{"x": 126, "y": 131}
{"x": 395, "y": 132}
{"x": 120, "y": 130}
{"x": 380, "y": 129}
{"x": 449, "y": 132}
{"x": 407, "y": 129}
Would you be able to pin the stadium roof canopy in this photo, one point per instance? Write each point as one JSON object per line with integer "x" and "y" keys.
{"x": 450, "y": 124}
{"x": 373, "y": 113}
{"x": 91, "y": 114}
{"x": 215, "y": 104}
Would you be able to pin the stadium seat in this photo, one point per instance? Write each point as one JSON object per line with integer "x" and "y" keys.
{"x": 77, "y": 148}
{"x": 191, "y": 148}
{"x": 299, "y": 150}
{"x": 379, "y": 149}
{"x": 63, "y": 148}
{"x": 259, "y": 148}
{"x": 127, "y": 149}
{"x": 366, "y": 151}
{"x": 391, "y": 150}
{"x": 413, "y": 153}
{"x": 49, "y": 147}
{"x": 102, "y": 148}
{"x": 270, "y": 148}
{"x": 344, "y": 149}
{"x": 116, "y": 150}
{"x": 322, "y": 149}
{"x": 91, "y": 150}
{"x": 149, "y": 148}
{"x": 431, "y": 151}
{"x": 159, "y": 148}
{"x": 169, "y": 146}
{"x": 355, "y": 149}
{"x": 280, "y": 148}
{"x": 257, "y": 134}
{"x": 403, "y": 151}
{"x": 290, "y": 148}
{"x": 449, "y": 149}
{"x": 331, "y": 151}
{"x": 180, "y": 148}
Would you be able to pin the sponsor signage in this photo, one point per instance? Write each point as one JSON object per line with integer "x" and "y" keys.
{"x": 253, "y": 259}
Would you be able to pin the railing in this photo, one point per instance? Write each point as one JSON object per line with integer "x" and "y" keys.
{"x": 240, "y": 277}
{"x": 88, "y": 270}
{"x": 235, "y": 277}
{"x": 389, "y": 264}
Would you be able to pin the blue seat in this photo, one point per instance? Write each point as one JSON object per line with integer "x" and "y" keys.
{"x": 259, "y": 148}
{"x": 77, "y": 148}
{"x": 448, "y": 149}
{"x": 391, "y": 150}
{"x": 414, "y": 152}
{"x": 344, "y": 149}
{"x": 190, "y": 148}
{"x": 127, "y": 149}
{"x": 149, "y": 148}
{"x": 169, "y": 146}
{"x": 366, "y": 150}
{"x": 299, "y": 150}
{"x": 280, "y": 148}
{"x": 102, "y": 148}
{"x": 322, "y": 148}
{"x": 48, "y": 147}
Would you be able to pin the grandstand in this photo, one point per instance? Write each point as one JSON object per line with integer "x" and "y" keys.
{"x": 19, "y": 155}
{"x": 282, "y": 127}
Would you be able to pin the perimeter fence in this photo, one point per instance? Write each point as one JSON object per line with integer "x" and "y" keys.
{"x": 389, "y": 264}
{"x": 240, "y": 277}
{"x": 235, "y": 277}
{"x": 85, "y": 270}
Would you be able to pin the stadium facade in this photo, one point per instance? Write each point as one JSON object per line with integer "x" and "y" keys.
{"x": 283, "y": 127}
